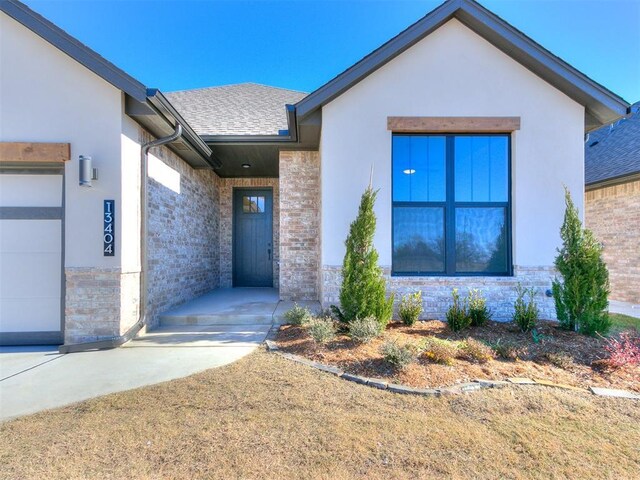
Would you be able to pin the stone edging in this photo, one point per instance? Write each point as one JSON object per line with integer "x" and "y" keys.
{"x": 457, "y": 389}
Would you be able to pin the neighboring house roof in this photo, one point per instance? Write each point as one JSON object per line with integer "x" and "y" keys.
{"x": 239, "y": 109}
{"x": 151, "y": 107}
{"x": 613, "y": 151}
{"x": 601, "y": 105}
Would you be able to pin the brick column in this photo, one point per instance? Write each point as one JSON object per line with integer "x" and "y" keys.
{"x": 299, "y": 225}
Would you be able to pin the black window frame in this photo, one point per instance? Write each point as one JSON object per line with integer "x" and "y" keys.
{"x": 450, "y": 206}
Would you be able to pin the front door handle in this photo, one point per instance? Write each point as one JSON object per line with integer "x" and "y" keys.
{"x": 269, "y": 252}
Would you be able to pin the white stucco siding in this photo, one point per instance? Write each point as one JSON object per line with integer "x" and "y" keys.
{"x": 130, "y": 215}
{"x": 453, "y": 72}
{"x": 45, "y": 96}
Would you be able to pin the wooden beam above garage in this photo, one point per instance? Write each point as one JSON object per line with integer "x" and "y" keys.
{"x": 453, "y": 124}
{"x": 29, "y": 152}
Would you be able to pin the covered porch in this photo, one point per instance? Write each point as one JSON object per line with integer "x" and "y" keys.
{"x": 224, "y": 316}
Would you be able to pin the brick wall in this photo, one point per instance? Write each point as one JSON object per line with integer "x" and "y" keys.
{"x": 99, "y": 303}
{"x": 183, "y": 256}
{"x": 226, "y": 186}
{"x": 436, "y": 291}
{"x": 299, "y": 225}
{"x": 183, "y": 243}
{"x": 613, "y": 214}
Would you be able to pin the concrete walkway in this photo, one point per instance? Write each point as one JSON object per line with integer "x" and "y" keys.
{"x": 625, "y": 308}
{"x": 39, "y": 378}
{"x": 233, "y": 306}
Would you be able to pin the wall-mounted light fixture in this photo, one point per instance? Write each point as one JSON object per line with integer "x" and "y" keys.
{"x": 87, "y": 172}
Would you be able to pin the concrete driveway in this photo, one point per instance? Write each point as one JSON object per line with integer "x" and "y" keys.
{"x": 39, "y": 378}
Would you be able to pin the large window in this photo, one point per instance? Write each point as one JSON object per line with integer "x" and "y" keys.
{"x": 451, "y": 205}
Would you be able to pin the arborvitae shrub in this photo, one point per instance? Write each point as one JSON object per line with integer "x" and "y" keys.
{"x": 363, "y": 290}
{"x": 581, "y": 295}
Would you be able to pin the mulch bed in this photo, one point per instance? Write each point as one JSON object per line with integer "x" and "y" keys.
{"x": 560, "y": 356}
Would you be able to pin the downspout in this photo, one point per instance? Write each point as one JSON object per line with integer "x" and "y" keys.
{"x": 119, "y": 340}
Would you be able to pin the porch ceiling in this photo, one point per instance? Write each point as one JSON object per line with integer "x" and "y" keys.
{"x": 263, "y": 159}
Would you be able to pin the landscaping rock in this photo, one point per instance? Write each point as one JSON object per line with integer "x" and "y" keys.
{"x": 456, "y": 390}
{"x": 469, "y": 387}
{"x": 521, "y": 381}
{"x": 328, "y": 368}
{"x": 492, "y": 383}
{"x": 377, "y": 383}
{"x": 611, "y": 392}
{"x": 549, "y": 383}
{"x": 355, "y": 378}
{"x": 393, "y": 387}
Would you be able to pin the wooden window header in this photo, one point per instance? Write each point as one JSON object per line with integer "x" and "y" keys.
{"x": 29, "y": 152}
{"x": 453, "y": 124}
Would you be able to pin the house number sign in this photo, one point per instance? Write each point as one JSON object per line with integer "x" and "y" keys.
{"x": 107, "y": 234}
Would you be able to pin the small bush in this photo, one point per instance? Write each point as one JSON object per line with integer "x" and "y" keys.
{"x": 439, "y": 351}
{"x": 506, "y": 350}
{"x": 411, "y": 307}
{"x": 476, "y": 351}
{"x": 525, "y": 313}
{"x": 322, "y": 330}
{"x": 458, "y": 316}
{"x": 298, "y": 315}
{"x": 478, "y": 310}
{"x": 363, "y": 330}
{"x": 400, "y": 356}
{"x": 623, "y": 351}
{"x": 560, "y": 359}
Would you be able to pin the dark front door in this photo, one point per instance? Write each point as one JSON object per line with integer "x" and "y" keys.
{"x": 252, "y": 238}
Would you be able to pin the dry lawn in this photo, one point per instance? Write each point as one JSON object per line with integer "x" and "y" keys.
{"x": 267, "y": 417}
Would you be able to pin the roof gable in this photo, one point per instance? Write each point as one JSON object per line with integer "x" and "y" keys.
{"x": 601, "y": 105}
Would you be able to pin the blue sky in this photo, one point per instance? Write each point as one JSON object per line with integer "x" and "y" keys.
{"x": 176, "y": 45}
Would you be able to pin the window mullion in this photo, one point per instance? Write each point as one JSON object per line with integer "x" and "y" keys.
{"x": 450, "y": 243}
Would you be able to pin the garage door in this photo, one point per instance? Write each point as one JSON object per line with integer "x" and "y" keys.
{"x": 31, "y": 232}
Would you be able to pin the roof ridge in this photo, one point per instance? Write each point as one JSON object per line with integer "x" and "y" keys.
{"x": 235, "y": 85}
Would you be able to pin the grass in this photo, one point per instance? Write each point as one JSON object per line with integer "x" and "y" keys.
{"x": 620, "y": 322}
{"x": 265, "y": 416}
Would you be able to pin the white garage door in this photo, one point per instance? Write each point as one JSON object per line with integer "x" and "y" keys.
{"x": 31, "y": 257}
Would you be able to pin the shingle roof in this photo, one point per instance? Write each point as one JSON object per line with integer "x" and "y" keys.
{"x": 239, "y": 109}
{"x": 614, "y": 151}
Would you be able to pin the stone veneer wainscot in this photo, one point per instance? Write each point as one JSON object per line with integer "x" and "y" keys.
{"x": 500, "y": 292}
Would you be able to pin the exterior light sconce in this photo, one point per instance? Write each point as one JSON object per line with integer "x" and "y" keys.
{"x": 87, "y": 172}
